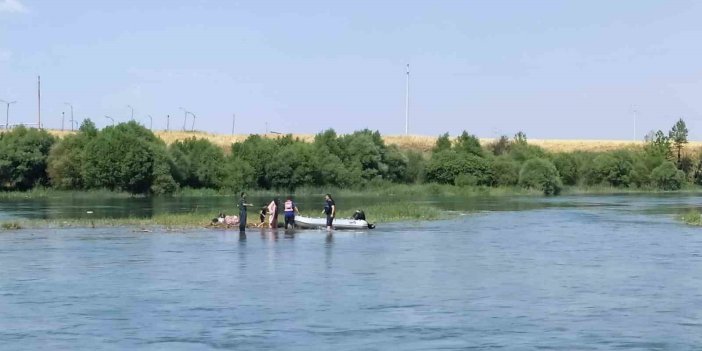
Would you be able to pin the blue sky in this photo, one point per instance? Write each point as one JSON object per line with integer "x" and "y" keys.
{"x": 553, "y": 69}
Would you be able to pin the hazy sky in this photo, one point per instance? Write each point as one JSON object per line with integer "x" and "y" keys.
{"x": 554, "y": 69}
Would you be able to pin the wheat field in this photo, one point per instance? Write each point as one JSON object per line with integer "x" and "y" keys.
{"x": 412, "y": 142}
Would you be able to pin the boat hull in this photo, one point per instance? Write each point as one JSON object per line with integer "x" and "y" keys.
{"x": 339, "y": 223}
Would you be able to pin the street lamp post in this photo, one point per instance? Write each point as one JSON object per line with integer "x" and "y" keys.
{"x": 111, "y": 119}
{"x": 407, "y": 102}
{"x": 132, "y": 115}
{"x": 7, "y": 112}
{"x": 63, "y": 118}
{"x": 168, "y": 122}
{"x": 151, "y": 122}
{"x": 71, "y": 105}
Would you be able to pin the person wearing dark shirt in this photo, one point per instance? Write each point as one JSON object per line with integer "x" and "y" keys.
{"x": 329, "y": 210}
{"x": 242, "y": 211}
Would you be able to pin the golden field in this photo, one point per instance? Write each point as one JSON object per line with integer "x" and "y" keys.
{"x": 412, "y": 142}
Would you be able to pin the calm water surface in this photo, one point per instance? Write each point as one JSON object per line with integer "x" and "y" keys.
{"x": 570, "y": 273}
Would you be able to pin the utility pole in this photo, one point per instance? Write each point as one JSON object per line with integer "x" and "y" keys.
{"x": 168, "y": 122}
{"x": 233, "y": 122}
{"x": 7, "y": 112}
{"x": 192, "y": 129}
{"x": 151, "y": 122}
{"x": 407, "y": 103}
{"x": 63, "y": 118}
{"x": 39, "y": 101}
{"x": 636, "y": 116}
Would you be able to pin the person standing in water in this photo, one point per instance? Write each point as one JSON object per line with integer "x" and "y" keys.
{"x": 329, "y": 210}
{"x": 290, "y": 210}
{"x": 273, "y": 213}
{"x": 242, "y": 211}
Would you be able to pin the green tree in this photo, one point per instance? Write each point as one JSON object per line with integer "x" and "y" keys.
{"x": 23, "y": 158}
{"x": 469, "y": 143}
{"x": 238, "y": 175}
{"x": 678, "y": 135}
{"x": 500, "y": 146}
{"x": 292, "y": 166}
{"x": 257, "y": 152}
{"x": 443, "y": 142}
{"x": 198, "y": 162}
{"x": 520, "y": 138}
{"x": 126, "y": 157}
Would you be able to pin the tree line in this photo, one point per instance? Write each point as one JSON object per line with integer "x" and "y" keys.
{"x": 128, "y": 157}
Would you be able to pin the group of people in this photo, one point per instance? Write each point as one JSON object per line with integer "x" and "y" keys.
{"x": 289, "y": 210}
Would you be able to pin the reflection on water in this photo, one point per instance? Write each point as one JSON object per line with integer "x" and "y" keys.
{"x": 595, "y": 273}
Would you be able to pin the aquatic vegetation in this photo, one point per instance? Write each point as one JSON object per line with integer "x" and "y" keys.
{"x": 692, "y": 218}
{"x": 404, "y": 211}
{"x": 10, "y": 226}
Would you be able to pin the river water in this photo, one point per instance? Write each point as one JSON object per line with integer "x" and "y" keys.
{"x": 566, "y": 273}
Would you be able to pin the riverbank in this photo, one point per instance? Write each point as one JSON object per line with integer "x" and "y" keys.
{"x": 384, "y": 213}
{"x": 373, "y": 190}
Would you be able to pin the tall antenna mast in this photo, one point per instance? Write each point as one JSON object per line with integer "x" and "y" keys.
{"x": 407, "y": 103}
{"x": 39, "y": 100}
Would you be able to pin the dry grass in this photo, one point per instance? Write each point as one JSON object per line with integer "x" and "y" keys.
{"x": 413, "y": 142}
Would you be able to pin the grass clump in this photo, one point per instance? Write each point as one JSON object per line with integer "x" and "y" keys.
{"x": 692, "y": 218}
{"x": 404, "y": 211}
{"x": 10, "y": 226}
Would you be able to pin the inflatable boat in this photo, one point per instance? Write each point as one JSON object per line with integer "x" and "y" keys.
{"x": 339, "y": 223}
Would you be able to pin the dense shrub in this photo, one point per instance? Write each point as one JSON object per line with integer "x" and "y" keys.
{"x": 416, "y": 167}
{"x": 640, "y": 174}
{"x": 667, "y": 177}
{"x": 567, "y": 166}
{"x": 505, "y": 171}
{"x": 540, "y": 174}
{"x": 612, "y": 168}
{"x": 466, "y": 180}
{"x": 446, "y": 165}
{"x": 23, "y": 158}
{"x": 521, "y": 152}
{"x": 125, "y": 157}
